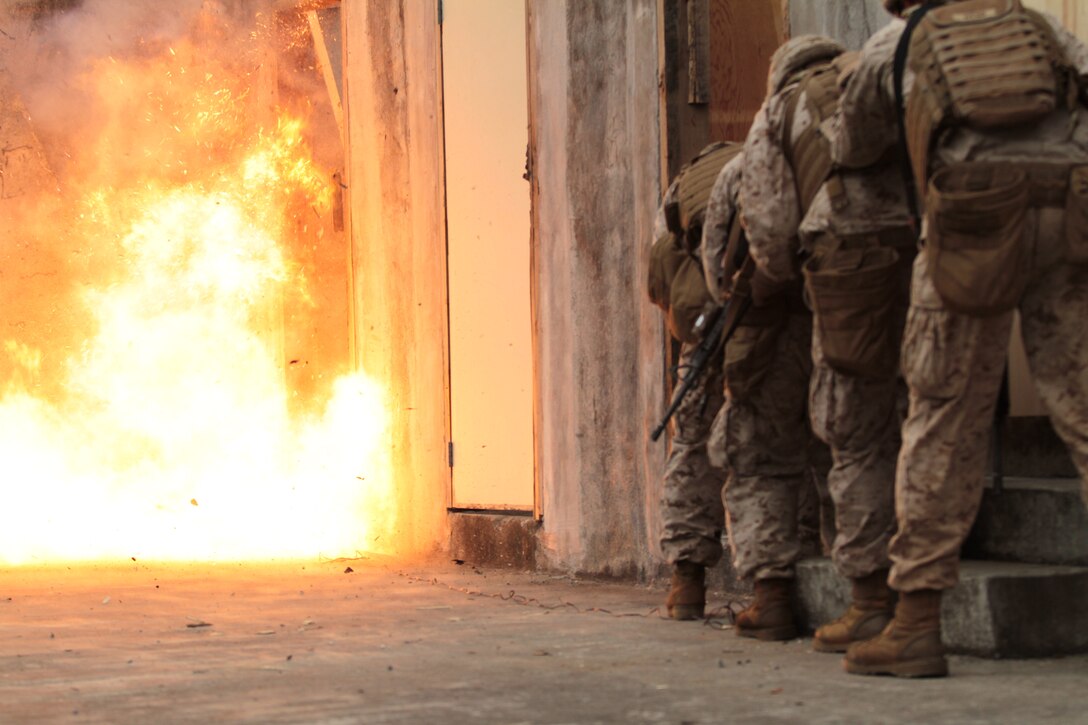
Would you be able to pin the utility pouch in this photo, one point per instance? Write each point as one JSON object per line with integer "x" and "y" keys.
{"x": 665, "y": 258}
{"x": 975, "y": 248}
{"x": 854, "y": 293}
{"x": 1076, "y": 216}
{"x": 688, "y": 298}
{"x": 752, "y": 347}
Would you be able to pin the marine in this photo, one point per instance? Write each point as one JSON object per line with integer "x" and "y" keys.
{"x": 853, "y": 228}
{"x": 763, "y": 436}
{"x": 998, "y": 171}
{"x": 692, "y": 513}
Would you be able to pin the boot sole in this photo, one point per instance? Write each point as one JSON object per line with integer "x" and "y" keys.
{"x": 929, "y": 667}
{"x": 830, "y": 647}
{"x": 769, "y": 634}
{"x": 686, "y": 612}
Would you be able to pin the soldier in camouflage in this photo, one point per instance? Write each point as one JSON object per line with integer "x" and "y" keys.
{"x": 953, "y": 355}
{"x": 692, "y": 513}
{"x": 856, "y": 405}
{"x": 763, "y": 434}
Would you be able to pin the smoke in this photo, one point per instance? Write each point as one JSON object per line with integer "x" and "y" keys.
{"x": 48, "y": 55}
{"x": 51, "y": 49}
{"x": 152, "y": 153}
{"x": 100, "y": 97}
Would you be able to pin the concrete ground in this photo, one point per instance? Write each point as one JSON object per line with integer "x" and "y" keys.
{"x": 385, "y": 642}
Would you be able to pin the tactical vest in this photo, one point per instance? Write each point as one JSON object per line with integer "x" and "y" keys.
{"x": 810, "y": 155}
{"x": 986, "y": 64}
{"x": 694, "y": 184}
{"x": 676, "y": 281}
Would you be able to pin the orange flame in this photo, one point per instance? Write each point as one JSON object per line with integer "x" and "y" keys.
{"x": 172, "y": 434}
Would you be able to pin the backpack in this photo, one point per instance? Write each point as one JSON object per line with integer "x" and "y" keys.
{"x": 676, "y": 282}
{"x": 986, "y": 64}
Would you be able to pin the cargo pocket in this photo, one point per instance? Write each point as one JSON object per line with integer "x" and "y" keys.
{"x": 1076, "y": 217}
{"x": 748, "y": 354}
{"x": 853, "y": 294}
{"x": 975, "y": 246}
{"x": 933, "y": 364}
{"x": 688, "y": 299}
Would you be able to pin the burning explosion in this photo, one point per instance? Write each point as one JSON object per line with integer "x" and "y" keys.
{"x": 175, "y": 374}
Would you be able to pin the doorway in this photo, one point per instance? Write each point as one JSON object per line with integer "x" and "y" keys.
{"x": 488, "y": 238}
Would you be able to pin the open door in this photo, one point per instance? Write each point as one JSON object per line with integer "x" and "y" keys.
{"x": 488, "y": 235}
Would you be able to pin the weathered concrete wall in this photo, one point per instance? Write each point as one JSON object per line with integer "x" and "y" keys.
{"x": 596, "y": 162}
{"x": 392, "y": 102}
{"x": 851, "y": 22}
{"x": 596, "y": 181}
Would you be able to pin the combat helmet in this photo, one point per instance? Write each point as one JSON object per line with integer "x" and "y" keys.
{"x": 797, "y": 54}
{"x": 896, "y": 7}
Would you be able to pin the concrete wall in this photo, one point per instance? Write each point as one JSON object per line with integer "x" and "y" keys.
{"x": 851, "y": 22}
{"x": 597, "y": 167}
{"x": 599, "y": 370}
{"x": 392, "y": 110}
{"x": 596, "y": 181}
{"x": 596, "y": 170}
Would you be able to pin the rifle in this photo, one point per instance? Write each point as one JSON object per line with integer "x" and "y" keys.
{"x": 723, "y": 323}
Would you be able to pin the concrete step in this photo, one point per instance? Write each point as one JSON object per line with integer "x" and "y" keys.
{"x": 1034, "y": 520}
{"x": 999, "y": 609}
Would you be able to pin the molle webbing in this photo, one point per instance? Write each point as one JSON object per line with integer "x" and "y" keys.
{"x": 697, "y": 181}
{"x": 1047, "y": 183}
{"x": 810, "y": 155}
{"x": 984, "y": 64}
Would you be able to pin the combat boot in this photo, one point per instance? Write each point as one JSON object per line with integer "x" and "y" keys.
{"x": 770, "y": 615}
{"x": 910, "y": 646}
{"x": 870, "y": 610}
{"x": 687, "y": 595}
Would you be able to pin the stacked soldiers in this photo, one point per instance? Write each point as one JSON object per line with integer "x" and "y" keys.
{"x": 767, "y": 366}
{"x": 997, "y": 164}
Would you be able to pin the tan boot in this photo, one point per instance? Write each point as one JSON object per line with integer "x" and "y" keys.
{"x": 870, "y": 611}
{"x": 770, "y": 616}
{"x": 687, "y": 595}
{"x": 910, "y": 646}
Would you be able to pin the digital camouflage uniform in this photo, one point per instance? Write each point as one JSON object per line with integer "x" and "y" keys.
{"x": 764, "y": 432}
{"x": 859, "y": 416}
{"x": 692, "y": 512}
{"x": 953, "y": 362}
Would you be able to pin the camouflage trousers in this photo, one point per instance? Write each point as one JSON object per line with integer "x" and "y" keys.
{"x": 692, "y": 511}
{"x": 859, "y": 418}
{"x": 762, "y": 439}
{"x": 953, "y": 364}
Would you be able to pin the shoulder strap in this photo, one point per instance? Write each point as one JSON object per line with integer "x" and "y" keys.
{"x": 899, "y": 68}
{"x": 810, "y": 156}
